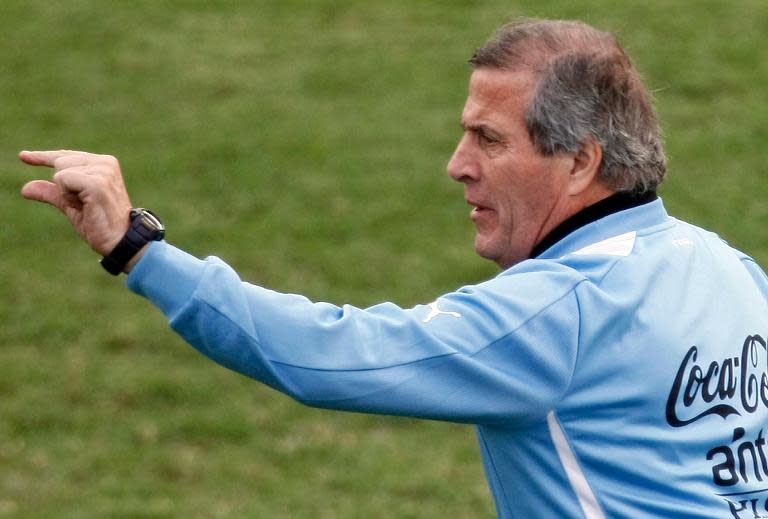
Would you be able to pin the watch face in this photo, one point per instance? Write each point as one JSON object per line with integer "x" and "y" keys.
{"x": 151, "y": 222}
{"x": 153, "y": 228}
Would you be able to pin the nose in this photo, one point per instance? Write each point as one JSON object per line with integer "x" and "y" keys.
{"x": 463, "y": 167}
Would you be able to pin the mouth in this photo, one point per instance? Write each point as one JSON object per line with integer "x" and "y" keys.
{"x": 477, "y": 209}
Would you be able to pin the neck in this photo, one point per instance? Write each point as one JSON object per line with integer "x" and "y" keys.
{"x": 572, "y": 205}
{"x": 602, "y": 207}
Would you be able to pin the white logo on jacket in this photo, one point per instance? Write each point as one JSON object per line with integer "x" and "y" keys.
{"x": 435, "y": 311}
{"x": 620, "y": 245}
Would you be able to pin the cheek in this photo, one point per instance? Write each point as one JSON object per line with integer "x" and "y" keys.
{"x": 512, "y": 214}
{"x": 528, "y": 200}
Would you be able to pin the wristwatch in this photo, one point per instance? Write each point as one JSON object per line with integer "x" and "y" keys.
{"x": 145, "y": 227}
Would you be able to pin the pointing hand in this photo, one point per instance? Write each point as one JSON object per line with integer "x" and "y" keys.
{"x": 88, "y": 189}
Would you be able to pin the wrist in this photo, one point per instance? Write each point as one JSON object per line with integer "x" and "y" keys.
{"x": 109, "y": 245}
{"x": 144, "y": 228}
{"x": 135, "y": 259}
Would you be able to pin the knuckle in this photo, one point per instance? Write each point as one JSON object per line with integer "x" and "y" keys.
{"x": 103, "y": 173}
{"x": 62, "y": 162}
{"x": 99, "y": 181}
{"x": 109, "y": 160}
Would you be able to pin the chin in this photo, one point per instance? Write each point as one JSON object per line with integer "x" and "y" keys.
{"x": 504, "y": 259}
{"x": 485, "y": 251}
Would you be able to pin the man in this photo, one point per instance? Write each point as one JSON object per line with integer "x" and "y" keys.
{"x": 617, "y": 367}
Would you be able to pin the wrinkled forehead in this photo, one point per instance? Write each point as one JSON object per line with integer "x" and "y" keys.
{"x": 499, "y": 94}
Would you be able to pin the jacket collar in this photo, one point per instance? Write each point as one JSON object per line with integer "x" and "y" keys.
{"x": 612, "y": 216}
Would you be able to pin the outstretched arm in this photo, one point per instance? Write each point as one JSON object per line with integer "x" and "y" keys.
{"x": 500, "y": 352}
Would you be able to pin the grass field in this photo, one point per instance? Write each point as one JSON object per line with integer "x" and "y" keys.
{"x": 305, "y": 142}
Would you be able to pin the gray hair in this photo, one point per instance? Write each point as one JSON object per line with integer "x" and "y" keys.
{"x": 587, "y": 89}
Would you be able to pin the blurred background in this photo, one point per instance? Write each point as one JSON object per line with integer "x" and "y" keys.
{"x": 304, "y": 142}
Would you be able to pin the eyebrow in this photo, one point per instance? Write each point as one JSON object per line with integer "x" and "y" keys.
{"x": 480, "y": 127}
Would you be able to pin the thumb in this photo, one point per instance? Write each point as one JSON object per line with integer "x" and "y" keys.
{"x": 42, "y": 191}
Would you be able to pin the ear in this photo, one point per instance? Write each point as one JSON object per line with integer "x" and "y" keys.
{"x": 586, "y": 164}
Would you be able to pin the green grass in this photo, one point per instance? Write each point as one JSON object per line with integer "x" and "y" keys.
{"x": 305, "y": 142}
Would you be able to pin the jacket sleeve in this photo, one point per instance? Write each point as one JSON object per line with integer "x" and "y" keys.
{"x": 498, "y": 352}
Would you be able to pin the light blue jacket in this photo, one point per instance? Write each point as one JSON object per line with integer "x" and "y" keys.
{"x": 622, "y": 373}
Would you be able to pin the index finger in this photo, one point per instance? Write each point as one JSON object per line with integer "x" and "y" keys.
{"x": 47, "y": 158}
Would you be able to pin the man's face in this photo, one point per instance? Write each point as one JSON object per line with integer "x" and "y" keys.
{"x": 518, "y": 195}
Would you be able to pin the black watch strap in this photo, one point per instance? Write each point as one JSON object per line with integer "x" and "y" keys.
{"x": 145, "y": 227}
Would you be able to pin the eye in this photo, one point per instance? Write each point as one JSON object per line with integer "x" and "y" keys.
{"x": 484, "y": 137}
